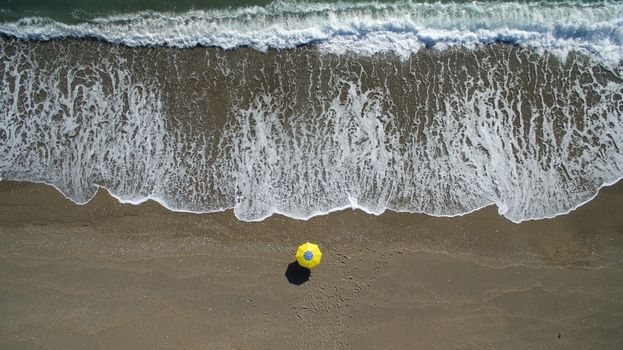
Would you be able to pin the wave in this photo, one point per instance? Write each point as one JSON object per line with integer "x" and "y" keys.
{"x": 301, "y": 133}
{"x": 594, "y": 28}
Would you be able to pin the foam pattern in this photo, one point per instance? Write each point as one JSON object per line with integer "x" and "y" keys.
{"x": 594, "y": 28}
{"x": 302, "y": 134}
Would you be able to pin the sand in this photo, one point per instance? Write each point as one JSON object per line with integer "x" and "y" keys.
{"x": 111, "y": 276}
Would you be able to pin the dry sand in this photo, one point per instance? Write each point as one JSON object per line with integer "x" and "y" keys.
{"x": 112, "y": 276}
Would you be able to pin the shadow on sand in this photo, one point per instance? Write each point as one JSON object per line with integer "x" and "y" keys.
{"x": 297, "y": 274}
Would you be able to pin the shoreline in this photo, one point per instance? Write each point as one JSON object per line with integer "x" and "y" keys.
{"x": 56, "y": 209}
{"x": 113, "y": 275}
{"x": 356, "y": 207}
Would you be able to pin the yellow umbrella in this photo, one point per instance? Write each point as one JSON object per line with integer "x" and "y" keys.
{"x": 308, "y": 255}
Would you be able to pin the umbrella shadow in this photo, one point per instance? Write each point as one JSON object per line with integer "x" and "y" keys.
{"x": 296, "y": 274}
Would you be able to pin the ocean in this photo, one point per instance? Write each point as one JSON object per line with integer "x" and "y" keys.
{"x": 304, "y": 108}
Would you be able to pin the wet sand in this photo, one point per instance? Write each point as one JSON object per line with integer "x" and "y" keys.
{"x": 112, "y": 276}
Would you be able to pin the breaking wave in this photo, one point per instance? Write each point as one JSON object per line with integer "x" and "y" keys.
{"x": 593, "y": 28}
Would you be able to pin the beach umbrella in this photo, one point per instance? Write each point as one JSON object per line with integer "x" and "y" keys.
{"x": 308, "y": 255}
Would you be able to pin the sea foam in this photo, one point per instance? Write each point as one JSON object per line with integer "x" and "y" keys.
{"x": 594, "y": 28}
{"x": 302, "y": 134}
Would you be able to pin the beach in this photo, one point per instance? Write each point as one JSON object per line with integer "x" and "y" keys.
{"x": 114, "y": 276}
{"x": 459, "y": 164}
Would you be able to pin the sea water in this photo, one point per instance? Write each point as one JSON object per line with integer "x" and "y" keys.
{"x": 303, "y": 108}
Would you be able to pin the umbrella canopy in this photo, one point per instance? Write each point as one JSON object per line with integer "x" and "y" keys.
{"x": 308, "y": 255}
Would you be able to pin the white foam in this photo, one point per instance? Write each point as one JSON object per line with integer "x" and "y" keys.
{"x": 473, "y": 157}
{"x": 101, "y": 123}
{"x": 595, "y": 29}
{"x": 104, "y": 128}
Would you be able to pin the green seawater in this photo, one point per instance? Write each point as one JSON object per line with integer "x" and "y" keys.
{"x": 74, "y": 11}
{"x": 71, "y": 11}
